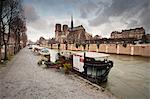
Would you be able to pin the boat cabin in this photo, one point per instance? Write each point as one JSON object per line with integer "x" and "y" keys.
{"x": 95, "y": 66}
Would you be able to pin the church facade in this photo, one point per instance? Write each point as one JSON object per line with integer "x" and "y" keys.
{"x": 71, "y": 34}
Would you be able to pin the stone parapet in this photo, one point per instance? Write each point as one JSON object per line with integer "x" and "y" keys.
{"x": 138, "y": 50}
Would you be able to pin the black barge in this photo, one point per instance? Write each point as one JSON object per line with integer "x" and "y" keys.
{"x": 93, "y": 66}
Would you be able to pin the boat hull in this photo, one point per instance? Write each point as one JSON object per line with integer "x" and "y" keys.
{"x": 94, "y": 79}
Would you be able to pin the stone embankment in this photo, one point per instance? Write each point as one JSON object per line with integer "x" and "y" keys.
{"x": 129, "y": 49}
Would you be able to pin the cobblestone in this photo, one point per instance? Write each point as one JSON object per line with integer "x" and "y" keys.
{"x": 22, "y": 78}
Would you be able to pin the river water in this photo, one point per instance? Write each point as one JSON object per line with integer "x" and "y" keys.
{"x": 129, "y": 78}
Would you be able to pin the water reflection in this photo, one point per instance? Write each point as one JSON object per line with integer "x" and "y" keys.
{"x": 129, "y": 78}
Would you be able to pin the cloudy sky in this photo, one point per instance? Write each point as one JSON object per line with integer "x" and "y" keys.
{"x": 99, "y": 17}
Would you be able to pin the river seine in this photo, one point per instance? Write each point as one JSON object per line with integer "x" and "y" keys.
{"x": 129, "y": 78}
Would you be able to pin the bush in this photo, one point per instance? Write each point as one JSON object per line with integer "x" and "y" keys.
{"x": 67, "y": 67}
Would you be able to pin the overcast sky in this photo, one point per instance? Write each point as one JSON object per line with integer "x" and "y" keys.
{"x": 99, "y": 17}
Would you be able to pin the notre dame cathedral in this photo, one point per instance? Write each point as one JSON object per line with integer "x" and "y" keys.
{"x": 71, "y": 34}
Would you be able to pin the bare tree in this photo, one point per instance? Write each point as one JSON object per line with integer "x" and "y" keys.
{"x": 12, "y": 16}
{"x": 1, "y": 9}
{"x": 19, "y": 29}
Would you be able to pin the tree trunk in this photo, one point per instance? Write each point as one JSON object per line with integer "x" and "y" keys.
{"x": 14, "y": 49}
{"x": 19, "y": 47}
{"x": 0, "y": 54}
{"x": 16, "y": 44}
{"x": 1, "y": 6}
{"x": 5, "y": 55}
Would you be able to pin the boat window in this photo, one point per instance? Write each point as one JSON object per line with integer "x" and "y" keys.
{"x": 100, "y": 72}
{"x": 89, "y": 59}
{"x": 93, "y": 71}
{"x": 89, "y": 71}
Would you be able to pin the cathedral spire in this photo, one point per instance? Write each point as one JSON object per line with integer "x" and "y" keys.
{"x": 72, "y": 22}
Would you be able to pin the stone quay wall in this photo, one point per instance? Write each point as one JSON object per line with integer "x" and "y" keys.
{"x": 129, "y": 49}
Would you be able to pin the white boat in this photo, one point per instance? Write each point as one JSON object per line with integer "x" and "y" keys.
{"x": 36, "y": 48}
{"x": 44, "y": 51}
{"x": 92, "y": 66}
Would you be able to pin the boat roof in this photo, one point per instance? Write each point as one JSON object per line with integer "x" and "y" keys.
{"x": 36, "y": 46}
{"x": 44, "y": 51}
{"x": 92, "y": 54}
{"x": 88, "y": 54}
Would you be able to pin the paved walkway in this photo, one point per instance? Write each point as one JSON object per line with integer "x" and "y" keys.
{"x": 23, "y": 79}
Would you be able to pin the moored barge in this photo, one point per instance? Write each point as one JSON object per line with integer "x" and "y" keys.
{"x": 93, "y": 66}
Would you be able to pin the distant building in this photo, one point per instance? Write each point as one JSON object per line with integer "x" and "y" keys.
{"x": 52, "y": 41}
{"x": 72, "y": 34}
{"x": 30, "y": 42}
{"x": 78, "y": 34}
{"x": 60, "y": 35}
{"x": 97, "y": 37}
{"x": 42, "y": 41}
{"x": 146, "y": 38}
{"x": 136, "y": 33}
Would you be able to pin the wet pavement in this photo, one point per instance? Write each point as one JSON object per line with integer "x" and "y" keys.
{"x": 22, "y": 78}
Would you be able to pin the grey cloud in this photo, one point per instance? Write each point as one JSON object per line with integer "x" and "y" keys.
{"x": 127, "y": 9}
{"x": 30, "y": 13}
{"x": 132, "y": 23}
{"x": 145, "y": 18}
{"x": 39, "y": 24}
{"x": 118, "y": 7}
{"x": 83, "y": 13}
{"x": 100, "y": 19}
{"x": 90, "y": 8}
{"x": 33, "y": 19}
{"x": 72, "y": 1}
{"x": 87, "y": 9}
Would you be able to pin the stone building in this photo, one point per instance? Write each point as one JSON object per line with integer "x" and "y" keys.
{"x": 61, "y": 35}
{"x": 97, "y": 37}
{"x": 136, "y": 33}
{"x": 78, "y": 34}
{"x": 146, "y": 38}
{"x": 71, "y": 34}
{"x": 42, "y": 41}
